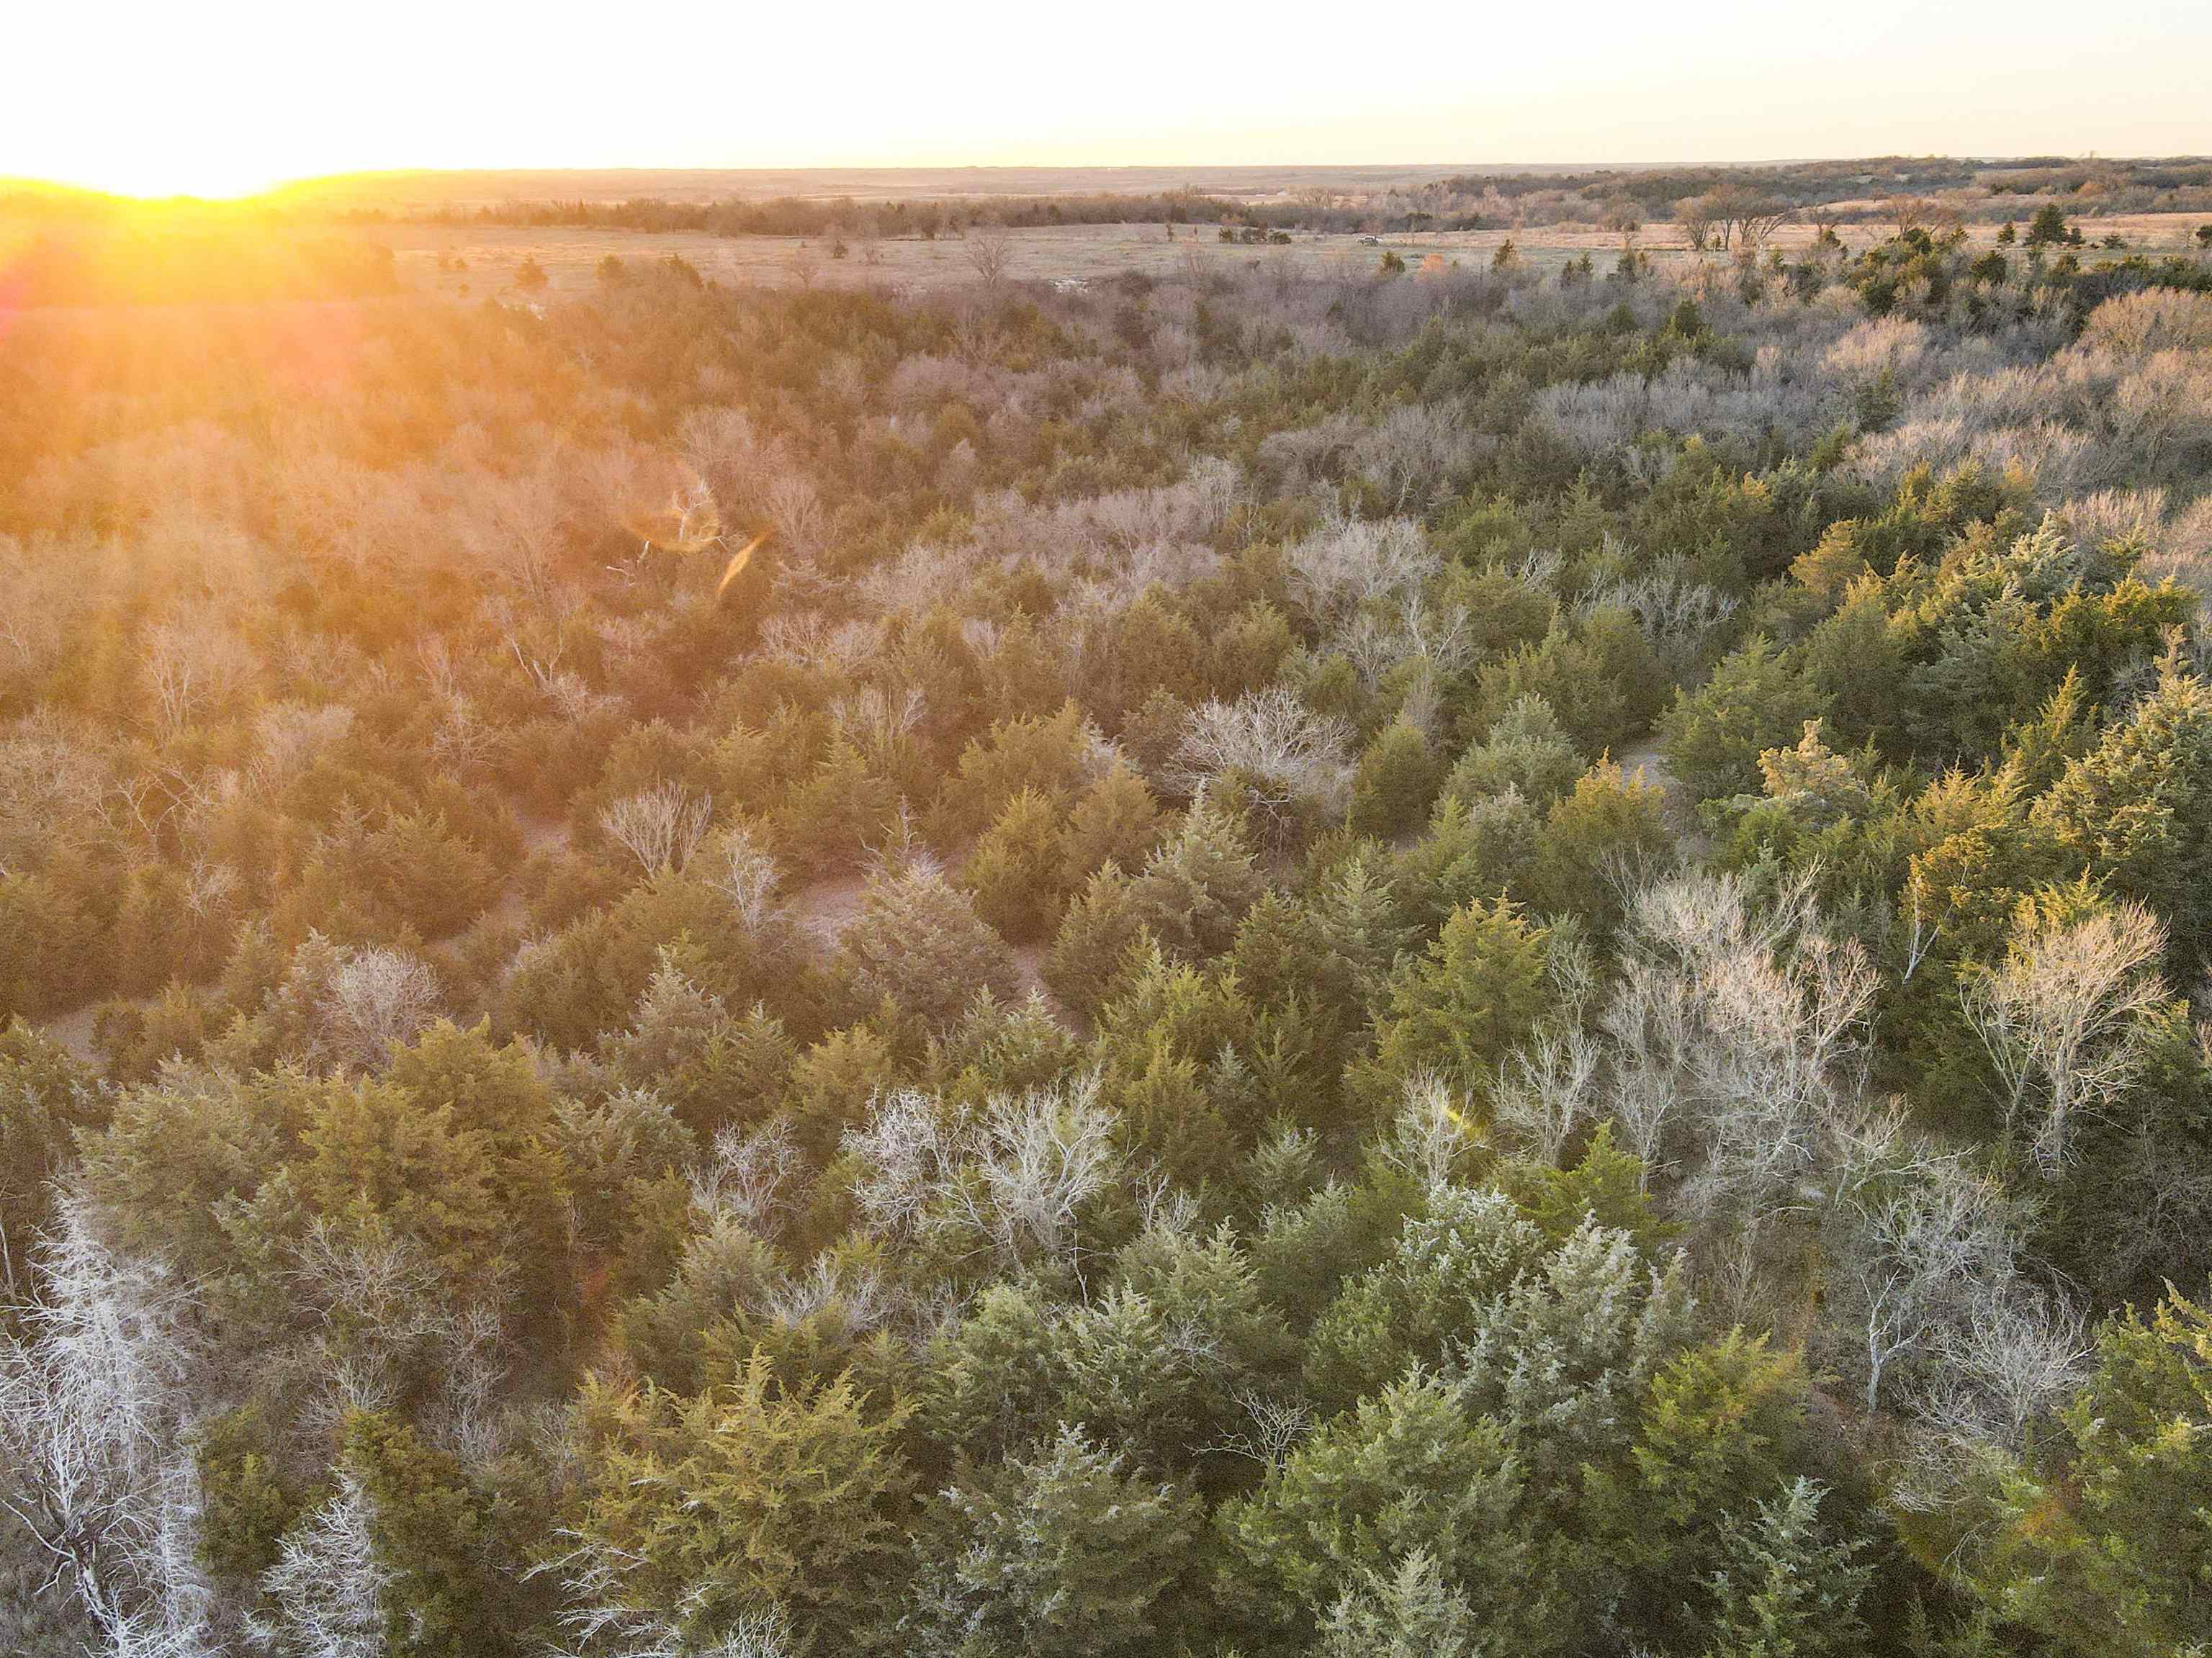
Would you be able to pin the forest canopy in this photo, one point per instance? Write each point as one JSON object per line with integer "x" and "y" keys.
{"x": 1464, "y": 961}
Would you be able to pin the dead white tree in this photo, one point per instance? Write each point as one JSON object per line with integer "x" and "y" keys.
{"x": 383, "y": 1318}
{"x": 379, "y": 999}
{"x": 1275, "y": 1427}
{"x": 603, "y": 1617}
{"x": 468, "y": 1418}
{"x": 2020, "y": 1356}
{"x": 746, "y": 1179}
{"x": 190, "y": 662}
{"x": 1011, "y": 1179}
{"x": 292, "y": 736}
{"x": 1349, "y": 562}
{"x": 1414, "y": 451}
{"x": 801, "y": 519}
{"x": 877, "y": 721}
{"x": 209, "y": 886}
{"x": 1678, "y": 614}
{"x": 1926, "y": 1279}
{"x": 1382, "y": 636}
{"x": 95, "y": 1392}
{"x": 563, "y": 688}
{"x": 1042, "y": 1156}
{"x": 660, "y": 827}
{"x": 842, "y": 1299}
{"x": 1923, "y": 1241}
{"x": 1548, "y": 1092}
{"x": 40, "y": 597}
{"x": 2064, "y": 1020}
{"x": 744, "y": 874}
{"x": 325, "y": 1591}
{"x": 58, "y": 790}
{"x": 1739, "y": 1036}
{"x": 521, "y": 533}
{"x": 1430, "y": 1135}
{"x": 1270, "y": 738}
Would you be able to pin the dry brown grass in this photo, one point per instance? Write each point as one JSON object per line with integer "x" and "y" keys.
{"x": 1069, "y": 253}
{"x": 904, "y": 183}
{"x": 490, "y": 255}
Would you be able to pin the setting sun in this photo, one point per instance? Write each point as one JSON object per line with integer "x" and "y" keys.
{"x": 155, "y": 175}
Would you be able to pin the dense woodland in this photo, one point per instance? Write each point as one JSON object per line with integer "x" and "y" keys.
{"x": 1443, "y": 963}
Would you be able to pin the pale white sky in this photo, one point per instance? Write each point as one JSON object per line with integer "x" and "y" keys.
{"x": 227, "y": 95}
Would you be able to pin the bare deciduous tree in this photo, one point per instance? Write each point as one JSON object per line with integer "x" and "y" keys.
{"x": 1013, "y": 1178}
{"x": 804, "y": 264}
{"x": 1431, "y": 1135}
{"x": 603, "y": 1618}
{"x": 386, "y": 1323}
{"x": 293, "y": 736}
{"x": 1696, "y": 215}
{"x": 1345, "y": 564}
{"x": 95, "y": 1391}
{"x": 878, "y": 721}
{"x": 1926, "y": 1278}
{"x": 57, "y": 790}
{"x": 325, "y": 1591}
{"x": 842, "y": 1299}
{"x": 749, "y": 1171}
{"x": 190, "y": 662}
{"x": 2019, "y": 1356}
{"x": 1625, "y": 220}
{"x": 2063, "y": 1019}
{"x": 523, "y": 528}
{"x": 1414, "y": 451}
{"x": 1739, "y": 1034}
{"x": 1275, "y": 1427}
{"x": 1743, "y": 215}
{"x": 660, "y": 827}
{"x": 1925, "y": 1240}
{"x": 1272, "y": 738}
{"x": 40, "y": 597}
{"x": 1906, "y": 212}
{"x": 1678, "y": 613}
{"x": 795, "y": 507}
{"x": 990, "y": 249}
{"x": 1546, "y": 1093}
{"x": 748, "y": 877}
{"x": 1757, "y": 219}
{"x": 379, "y": 999}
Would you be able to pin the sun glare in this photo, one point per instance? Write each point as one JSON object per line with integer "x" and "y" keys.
{"x": 154, "y": 175}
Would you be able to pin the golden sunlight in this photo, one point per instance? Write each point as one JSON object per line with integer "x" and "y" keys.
{"x": 156, "y": 172}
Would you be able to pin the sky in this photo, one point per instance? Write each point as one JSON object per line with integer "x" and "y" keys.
{"x": 224, "y": 96}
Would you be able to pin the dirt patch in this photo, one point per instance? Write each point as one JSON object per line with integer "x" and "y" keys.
{"x": 545, "y": 834}
{"x": 73, "y": 1031}
{"x": 826, "y": 908}
{"x": 1648, "y": 759}
{"x": 1029, "y": 968}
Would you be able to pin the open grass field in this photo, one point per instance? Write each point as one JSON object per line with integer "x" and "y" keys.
{"x": 489, "y": 256}
{"x": 473, "y": 189}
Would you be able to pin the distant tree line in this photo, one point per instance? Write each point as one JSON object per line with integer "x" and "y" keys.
{"x": 807, "y": 216}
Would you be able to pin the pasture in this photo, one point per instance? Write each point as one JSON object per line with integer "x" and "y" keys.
{"x": 471, "y": 261}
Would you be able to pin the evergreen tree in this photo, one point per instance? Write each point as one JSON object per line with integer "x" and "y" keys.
{"x": 1065, "y": 1555}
